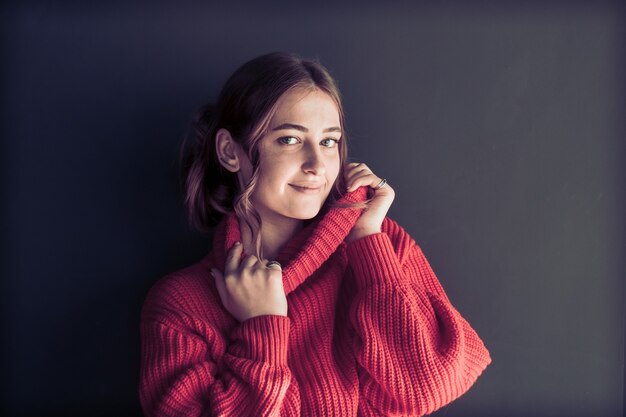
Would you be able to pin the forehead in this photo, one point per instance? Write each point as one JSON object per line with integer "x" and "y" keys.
{"x": 300, "y": 106}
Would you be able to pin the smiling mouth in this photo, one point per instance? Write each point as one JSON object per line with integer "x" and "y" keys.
{"x": 306, "y": 189}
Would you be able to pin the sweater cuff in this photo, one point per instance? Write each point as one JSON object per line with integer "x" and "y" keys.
{"x": 374, "y": 260}
{"x": 263, "y": 339}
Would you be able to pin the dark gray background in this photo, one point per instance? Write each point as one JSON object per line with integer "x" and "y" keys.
{"x": 500, "y": 127}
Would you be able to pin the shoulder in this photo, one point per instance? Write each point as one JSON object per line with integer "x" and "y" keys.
{"x": 183, "y": 295}
{"x": 177, "y": 287}
{"x": 402, "y": 242}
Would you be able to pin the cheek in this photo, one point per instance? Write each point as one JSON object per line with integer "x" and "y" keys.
{"x": 245, "y": 170}
{"x": 284, "y": 169}
{"x": 274, "y": 176}
{"x": 334, "y": 168}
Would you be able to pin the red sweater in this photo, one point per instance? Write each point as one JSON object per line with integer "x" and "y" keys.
{"x": 370, "y": 332}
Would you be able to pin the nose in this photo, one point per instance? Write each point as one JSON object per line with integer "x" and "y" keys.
{"x": 313, "y": 161}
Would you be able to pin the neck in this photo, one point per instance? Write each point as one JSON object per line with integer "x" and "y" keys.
{"x": 275, "y": 232}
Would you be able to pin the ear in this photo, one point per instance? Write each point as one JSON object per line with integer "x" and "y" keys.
{"x": 227, "y": 150}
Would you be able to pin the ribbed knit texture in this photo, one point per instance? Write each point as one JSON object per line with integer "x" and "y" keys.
{"x": 370, "y": 332}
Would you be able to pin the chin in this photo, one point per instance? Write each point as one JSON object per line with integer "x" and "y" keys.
{"x": 306, "y": 213}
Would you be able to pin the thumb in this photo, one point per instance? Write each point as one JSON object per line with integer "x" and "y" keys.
{"x": 219, "y": 283}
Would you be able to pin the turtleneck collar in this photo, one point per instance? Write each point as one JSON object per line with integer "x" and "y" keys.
{"x": 307, "y": 250}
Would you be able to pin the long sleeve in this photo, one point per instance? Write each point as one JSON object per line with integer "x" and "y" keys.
{"x": 189, "y": 367}
{"x": 415, "y": 352}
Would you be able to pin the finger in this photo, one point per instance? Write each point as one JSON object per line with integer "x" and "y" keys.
{"x": 366, "y": 179}
{"x": 355, "y": 174}
{"x": 249, "y": 261}
{"x": 371, "y": 182}
{"x": 233, "y": 258}
{"x": 355, "y": 171}
{"x": 273, "y": 265}
{"x": 351, "y": 169}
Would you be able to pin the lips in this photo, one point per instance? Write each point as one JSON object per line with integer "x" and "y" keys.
{"x": 307, "y": 188}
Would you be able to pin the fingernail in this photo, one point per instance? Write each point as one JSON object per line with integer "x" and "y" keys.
{"x": 211, "y": 272}
{"x": 237, "y": 243}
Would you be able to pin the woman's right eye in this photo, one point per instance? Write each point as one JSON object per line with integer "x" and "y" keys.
{"x": 288, "y": 140}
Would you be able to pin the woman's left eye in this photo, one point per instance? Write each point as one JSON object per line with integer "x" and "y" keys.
{"x": 329, "y": 143}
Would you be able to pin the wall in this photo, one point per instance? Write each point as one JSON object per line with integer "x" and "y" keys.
{"x": 500, "y": 127}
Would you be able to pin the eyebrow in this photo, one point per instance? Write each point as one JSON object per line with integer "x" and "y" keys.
{"x": 302, "y": 128}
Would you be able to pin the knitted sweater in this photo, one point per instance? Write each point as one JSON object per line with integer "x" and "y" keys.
{"x": 369, "y": 332}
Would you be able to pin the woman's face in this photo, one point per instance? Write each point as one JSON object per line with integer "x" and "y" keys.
{"x": 299, "y": 157}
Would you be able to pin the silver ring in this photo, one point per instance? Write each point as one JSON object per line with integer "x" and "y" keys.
{"x": 271, "y": 264}
{"x": 381, "y": 184}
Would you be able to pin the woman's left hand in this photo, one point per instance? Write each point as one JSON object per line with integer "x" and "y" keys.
{"x": 357, "y": 175}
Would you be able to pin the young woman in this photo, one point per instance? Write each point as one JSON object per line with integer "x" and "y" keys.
{"x": 312, "y": 302}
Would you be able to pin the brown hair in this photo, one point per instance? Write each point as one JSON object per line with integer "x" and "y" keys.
{"x": 245, "y": 107}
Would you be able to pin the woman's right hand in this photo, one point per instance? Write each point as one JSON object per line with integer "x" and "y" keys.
{"x": 248, "y": 288}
